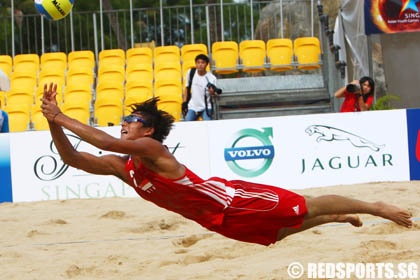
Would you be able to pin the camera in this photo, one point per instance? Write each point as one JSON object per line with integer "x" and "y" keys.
{"x": 214, "y": 88}
{"x": 352, "y": 88}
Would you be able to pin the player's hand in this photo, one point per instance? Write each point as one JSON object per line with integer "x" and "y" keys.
{"x": 49, "y": 103}
{"x": 50, "y": 92}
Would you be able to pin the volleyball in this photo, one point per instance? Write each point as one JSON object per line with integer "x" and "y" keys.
{"x": 54, "y": 9}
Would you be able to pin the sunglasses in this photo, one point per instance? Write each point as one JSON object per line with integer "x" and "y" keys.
{"x": 133, "y": 118}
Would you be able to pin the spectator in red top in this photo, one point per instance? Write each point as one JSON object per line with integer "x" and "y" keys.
{"x": 358, "y": 95}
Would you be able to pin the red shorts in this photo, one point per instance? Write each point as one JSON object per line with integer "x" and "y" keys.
{"x": 258, "y": 212}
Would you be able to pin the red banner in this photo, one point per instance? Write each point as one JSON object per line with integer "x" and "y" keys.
{"x": 392, "y": 16}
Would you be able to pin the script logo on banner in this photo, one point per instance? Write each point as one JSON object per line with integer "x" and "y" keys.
{"x": 389, "y": 16}
{"x": 51, "y": 167}
{"x": 251, "y": 152}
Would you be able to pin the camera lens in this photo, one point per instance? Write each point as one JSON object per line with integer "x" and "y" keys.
{"x": 352, "y": 88}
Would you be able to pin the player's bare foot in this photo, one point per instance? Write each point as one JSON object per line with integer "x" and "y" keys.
{"x": 351, "y": 219}
{"x": 395, "y": 214}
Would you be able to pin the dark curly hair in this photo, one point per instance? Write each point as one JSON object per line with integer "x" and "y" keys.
{"x": 160, "y": 120}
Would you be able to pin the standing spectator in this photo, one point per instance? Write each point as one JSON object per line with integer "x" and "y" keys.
{"x": 358, "y": 95}
{"x": 199, "y": 90}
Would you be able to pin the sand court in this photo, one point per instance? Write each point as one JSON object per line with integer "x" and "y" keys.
{"x": 129, "y": 238}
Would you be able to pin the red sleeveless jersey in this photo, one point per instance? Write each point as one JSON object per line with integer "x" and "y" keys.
{"x": 240, "y": 210}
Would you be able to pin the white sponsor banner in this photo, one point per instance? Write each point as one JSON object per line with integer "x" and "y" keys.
{"x": 312, "y": 150}
{"x": 39, "y": 174}
{"x": 347, "y": 149}
{"x": 291, "y": 152}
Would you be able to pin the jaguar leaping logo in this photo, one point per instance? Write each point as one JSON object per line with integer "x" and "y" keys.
{"x": 328, "y": 133}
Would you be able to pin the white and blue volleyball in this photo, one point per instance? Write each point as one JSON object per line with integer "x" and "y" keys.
{"x": 54, "y": 9}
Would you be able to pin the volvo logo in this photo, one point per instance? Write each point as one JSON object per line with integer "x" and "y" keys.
{"x": 240, "y": 152}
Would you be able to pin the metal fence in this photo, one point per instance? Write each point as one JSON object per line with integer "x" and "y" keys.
{"x": 175, "y": 25}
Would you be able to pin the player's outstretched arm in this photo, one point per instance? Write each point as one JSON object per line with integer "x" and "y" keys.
{"x": 146, "y": 146}
{"x": 109, "y": 164}
{"x": 86, "y": 132}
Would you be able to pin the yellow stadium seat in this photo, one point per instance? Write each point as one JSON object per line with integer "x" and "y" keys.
{"x": 112, "y": 57}
{"x": 139, "y": 88}
{"x": 6, "y": 64}
{"x": 82, "y": 74}
{"x": 307, "y": 51}
{"x": 77, "y": 108}
{"x": 108, "y": 110}
{"x": 139, "y": 56}
{"x": 190, "y": 51}
{"x": 280, "y": 54}
{"x": 19, "y": 117}
{"x": 26, "y": 63}
{"x": 50, "y": 75}
{"x": 136, "y": 95}
{"x": 39, "y": 122}
{"x": 109, "y": 72}
{"x": 166, "y": 54}
{"x": 83, "y": 59}
{"x": 111, "y": 88}
{"x": 23, "y": 80}
{"x": 48, "y": 78}
{"x": 168, "y": 90}
{"x": 252, "y": 54}
{"x": 54, "y": 61}
{"x": 20, "y": 96}
{"x": 165, "y": 71}
{"x": 173, "y": 107}
{"x": 77, "y": 90}
{"x": 225, "y": 57}
{"x": 139, "y": 72}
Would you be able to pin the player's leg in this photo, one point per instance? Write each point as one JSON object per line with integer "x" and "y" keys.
{"x": 320, "y": 220}
{"x": 335, "y": 204}
{"x": 335, "y": 208}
